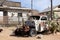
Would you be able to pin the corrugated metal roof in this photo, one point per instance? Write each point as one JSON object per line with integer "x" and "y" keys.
{"x": 19, "y": 8}
{"x": 49, "y": 9}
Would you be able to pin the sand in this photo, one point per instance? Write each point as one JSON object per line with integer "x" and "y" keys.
{"x": 5, "y": 35}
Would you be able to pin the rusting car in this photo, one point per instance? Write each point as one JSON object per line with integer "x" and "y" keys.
{"x": 27, "y": 29}
{"x": 32, "y": 26}
{"x": 40, "y": 23}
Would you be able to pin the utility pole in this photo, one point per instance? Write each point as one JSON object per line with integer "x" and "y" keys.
{"x": 32, "y": 7}
{"x": 31, "y": 4}
{"x": 51, "y": 9}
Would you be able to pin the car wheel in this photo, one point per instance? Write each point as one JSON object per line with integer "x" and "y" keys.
{"x": 33, "y": 32}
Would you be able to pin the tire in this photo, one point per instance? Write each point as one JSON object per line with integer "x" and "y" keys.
{"x": 33, "y": 32}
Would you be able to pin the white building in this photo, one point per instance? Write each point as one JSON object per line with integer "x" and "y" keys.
{"x": 12, "y": 13}
{"x": 56, "y": 12}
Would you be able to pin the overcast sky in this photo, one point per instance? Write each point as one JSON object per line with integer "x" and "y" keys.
{"x": 38, "y": 4}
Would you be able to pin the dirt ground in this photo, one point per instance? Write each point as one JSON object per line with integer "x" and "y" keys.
{"x": 5, "y": 35}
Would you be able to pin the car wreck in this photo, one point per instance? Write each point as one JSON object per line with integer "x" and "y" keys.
{"x": 33, "y": 25}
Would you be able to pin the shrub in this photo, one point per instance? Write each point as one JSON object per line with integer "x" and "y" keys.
{"x": 53, "y": 26}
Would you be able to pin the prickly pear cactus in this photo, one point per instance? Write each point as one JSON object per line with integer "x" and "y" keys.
{"x": 54, "y": 26}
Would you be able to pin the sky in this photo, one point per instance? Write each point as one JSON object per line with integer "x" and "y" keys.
{"x": 39, "y": 5}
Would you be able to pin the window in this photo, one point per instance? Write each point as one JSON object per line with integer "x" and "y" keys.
{"x": 19, "y": 14}
{"x": 5, "y": 13}
{"x": 44, "y": 18}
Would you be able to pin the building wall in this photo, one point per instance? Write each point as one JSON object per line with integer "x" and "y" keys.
{"x": 14, "y": 19}
{"x": 12, "y": 4}
{"x": 56, "y": 8}
{"x": 1, "y": 17}
{"x": 57, "y": 14}
{"x": 25, "y": 17}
